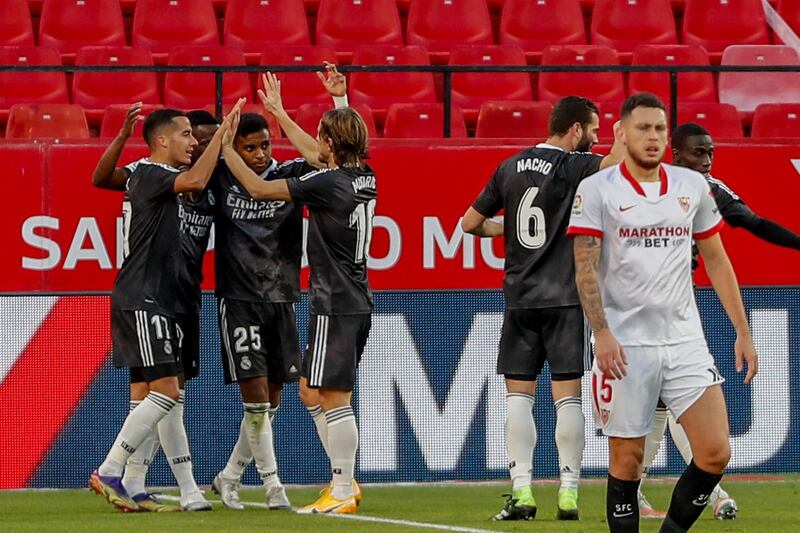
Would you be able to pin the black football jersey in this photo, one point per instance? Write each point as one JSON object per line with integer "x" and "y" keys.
{"x": 341, "y": 205}
{"x": 196, "y": 218}
{"x": 536, "y": 187}
{"x": 148, "y": 278}
{"x": 259, "y": 243}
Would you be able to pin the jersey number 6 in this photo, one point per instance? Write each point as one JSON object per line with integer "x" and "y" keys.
{"x": 531, "y": 231}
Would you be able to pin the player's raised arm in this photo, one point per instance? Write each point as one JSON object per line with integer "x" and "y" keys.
{"x": 106, "y": 174}
{"x": 617, "y": 153}
{"x": 723, "y": 279}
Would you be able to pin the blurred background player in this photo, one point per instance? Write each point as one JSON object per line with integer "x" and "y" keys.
{"x": 259, "y": 248}
{"x": 633, "y": 225}
{"x": 543, "y": 319}
{"x": 195, "y": 212}
{"x": 144, "y": 301}
{"x": 693, "y": 147}
{"x": 341, "y": 203}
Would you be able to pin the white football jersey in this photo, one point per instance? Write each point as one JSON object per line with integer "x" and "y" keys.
{"x": 645, "y": 272}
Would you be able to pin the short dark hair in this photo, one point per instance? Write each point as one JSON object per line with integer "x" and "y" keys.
{"x": 641, "y": 100}
{"x": 684, "y": 131}
{"x": 157, "y": 120}
{"x": 201, "y": 117}
{"x": 251, "y": 123}
{"x": 568, "y": 111}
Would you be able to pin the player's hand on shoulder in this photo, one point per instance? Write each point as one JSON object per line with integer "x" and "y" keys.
{"x": 333, "y": 80}
{"x": 132, "y": 116}
{"x": 271, "y": 94}
{"x": 610, "y": 357}
{"x": 746, "y": 353}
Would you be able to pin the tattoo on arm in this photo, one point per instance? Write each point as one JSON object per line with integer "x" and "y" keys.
{"x": 587, "y": 260}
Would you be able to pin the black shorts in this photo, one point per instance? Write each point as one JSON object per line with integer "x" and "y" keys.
{"x": 558, "y": 335}
{"x": 259, "y": 339}
{"x": 147, "y": 374}
{"x": 335, "y": 345}
{"x": 189, "y": 336}
{"x": 141, "y": 338}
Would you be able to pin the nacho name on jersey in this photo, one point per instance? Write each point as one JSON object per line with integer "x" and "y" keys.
{"x": 654, "y": 237}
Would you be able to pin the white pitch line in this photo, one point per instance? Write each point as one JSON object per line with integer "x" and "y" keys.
{"x": 362, "y": 518}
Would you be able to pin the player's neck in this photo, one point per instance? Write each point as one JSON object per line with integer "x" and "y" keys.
{"x": 560, "y": 142}
{"x": 640, "y": 173}
{"x": 162, "y": 158}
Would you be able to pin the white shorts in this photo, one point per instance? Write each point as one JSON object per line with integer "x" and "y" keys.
{"x": 677, "y": 374}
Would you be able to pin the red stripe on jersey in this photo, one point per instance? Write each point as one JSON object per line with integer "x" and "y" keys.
{"x": 577, "y": 230}
{"x": 662, "y": 175}
{"x": 709, "y": 232}
{"x": 45, "y": 385}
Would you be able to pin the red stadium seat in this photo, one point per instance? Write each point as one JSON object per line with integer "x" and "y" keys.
{"x": 15, "y": 24}
{"x": 776, "y": 120}
{"x": 309, "y": 115}
{"x": 609, "y": 114}
{"x": 195, "y": 90}
{"x": 715, "y": 24}
{"x": 68, "y": 25}
{"x": 471, "y": 89}
{"x": 97, "y": 90}
{"x": 379, "y": 90}
{"x": 34, "y": 121}
{"x": 251, "y": 107}
{"x": 160, "y": 25}
{"x": 692, "y": 86}
{"x": 746, "y": 90}
{"x": 253, "y": 24}
{"x": 537, "y": 25}
{"x": 790, "y": 11}
{"x": 299, "y": 88}
{"x": 346, "y": 24}
{"x": 598, "y": 86}
{"x": 29, "y": 87}
{"x": 438, "y": 25}
{"x": 422, "y": 121}
{"x": 625, "y": 25}
{"x": 721, "y": 120}
{"x": 114, "y": 117}
{"x": 514, "y": 119}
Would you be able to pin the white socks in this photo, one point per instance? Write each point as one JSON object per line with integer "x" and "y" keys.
{"x": 175, "y": 443}
{"x": 342, "y": 445}
{"x": 259, "y": 435}
{"x": 570, "y": 440}
{"x": 653, "y": 440}
{"x": 140, "y": 422}
{"x": 241, "y": 456}
{"x": 680, "y": 439}
{"x": 136, "y": 468}
{"x": 318, "y": 416}
{"x": 520, "y": 437}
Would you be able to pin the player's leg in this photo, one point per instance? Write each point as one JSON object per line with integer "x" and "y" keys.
{"x": 310, "y": 398}
{"x": 652, "y": 444}
{"x": 693, "y": 392}
{"x": 138, "y": 463}
{"x": 624, "y": 476}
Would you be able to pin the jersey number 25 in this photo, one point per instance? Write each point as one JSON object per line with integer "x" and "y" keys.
{"x": 531, "y": 230}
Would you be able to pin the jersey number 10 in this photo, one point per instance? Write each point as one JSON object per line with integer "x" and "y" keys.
{"x": 531, "y": 231}
{"x": 361, "y": 218}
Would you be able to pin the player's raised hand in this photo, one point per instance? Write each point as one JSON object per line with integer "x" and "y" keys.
{"x": 231, "y": 123}
{"x": 746, "y": 352}
{"x": 271, "y": 94}
{"x": 133, "y": 115}
{"x": 610, "y": 357}
{"x": 333, "y": 80}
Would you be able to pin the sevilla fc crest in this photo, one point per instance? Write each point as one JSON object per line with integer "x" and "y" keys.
{"x": 683, "y": 201}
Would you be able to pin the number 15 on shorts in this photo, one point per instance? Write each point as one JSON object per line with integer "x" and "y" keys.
{"x": 602, "y": 395}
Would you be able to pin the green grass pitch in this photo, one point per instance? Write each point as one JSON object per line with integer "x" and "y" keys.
{"x": 765, "y": 506}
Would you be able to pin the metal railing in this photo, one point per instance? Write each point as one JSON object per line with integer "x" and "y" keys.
{"x": 446, "y": 70}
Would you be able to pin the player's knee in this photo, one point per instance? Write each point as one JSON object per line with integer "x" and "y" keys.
{"x": 626, "y": 462}
{"x": 309, "y": 396}
{"x": 714, "y": 459}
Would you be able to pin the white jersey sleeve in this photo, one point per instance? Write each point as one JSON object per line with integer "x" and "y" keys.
{"x": 587, "y": 210}
{"x": 707, "y": 220}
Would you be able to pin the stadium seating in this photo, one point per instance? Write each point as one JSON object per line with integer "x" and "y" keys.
{"x": 68, "y": 25}
{"x": 251, "y": 107}
{"x": 97, "y": 90}
{"x": 715, "y": 24}
{"x": 299, "y": 88}
{"x": 746, "y": 90}
{"x": 254, "y": 24}
{"x": 422, "y": 121}
{"x": 790, "y": 11}
{"x": 114, "y": 117}
{"x": 537, "y": 25}
{"x": 438, "y": 25}
{"x": 346, "y": 24}
{"x": 160, "y": 25}
{"x": 692, "y": 86}
{"x": 30, "y": 87}
{"x": 598, "y": 86}
{"x": 191, "y": 90}
{"x": 15, "y": 24}
{"x": 721, "y": 120}
{"x": 609, "y": 114}
{"x": 34, "y": 121}
{"x": 776, "y": 120}
{"x": 471, "y": 89}
{"x": 379, "y": 90}
{"x": 514, "y": 119}
{"x": 309, "y": 115}
{"x": 626, "y": 24}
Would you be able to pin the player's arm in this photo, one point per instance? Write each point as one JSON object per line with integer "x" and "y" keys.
{"x": 739, "y": 215}
{"x": 106, "y": 174}
{"x": 196, "y": 178}
{"x": 617, "y": 153}
{"x": 723, "y": 279}
{"x": 475, "y": 223}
